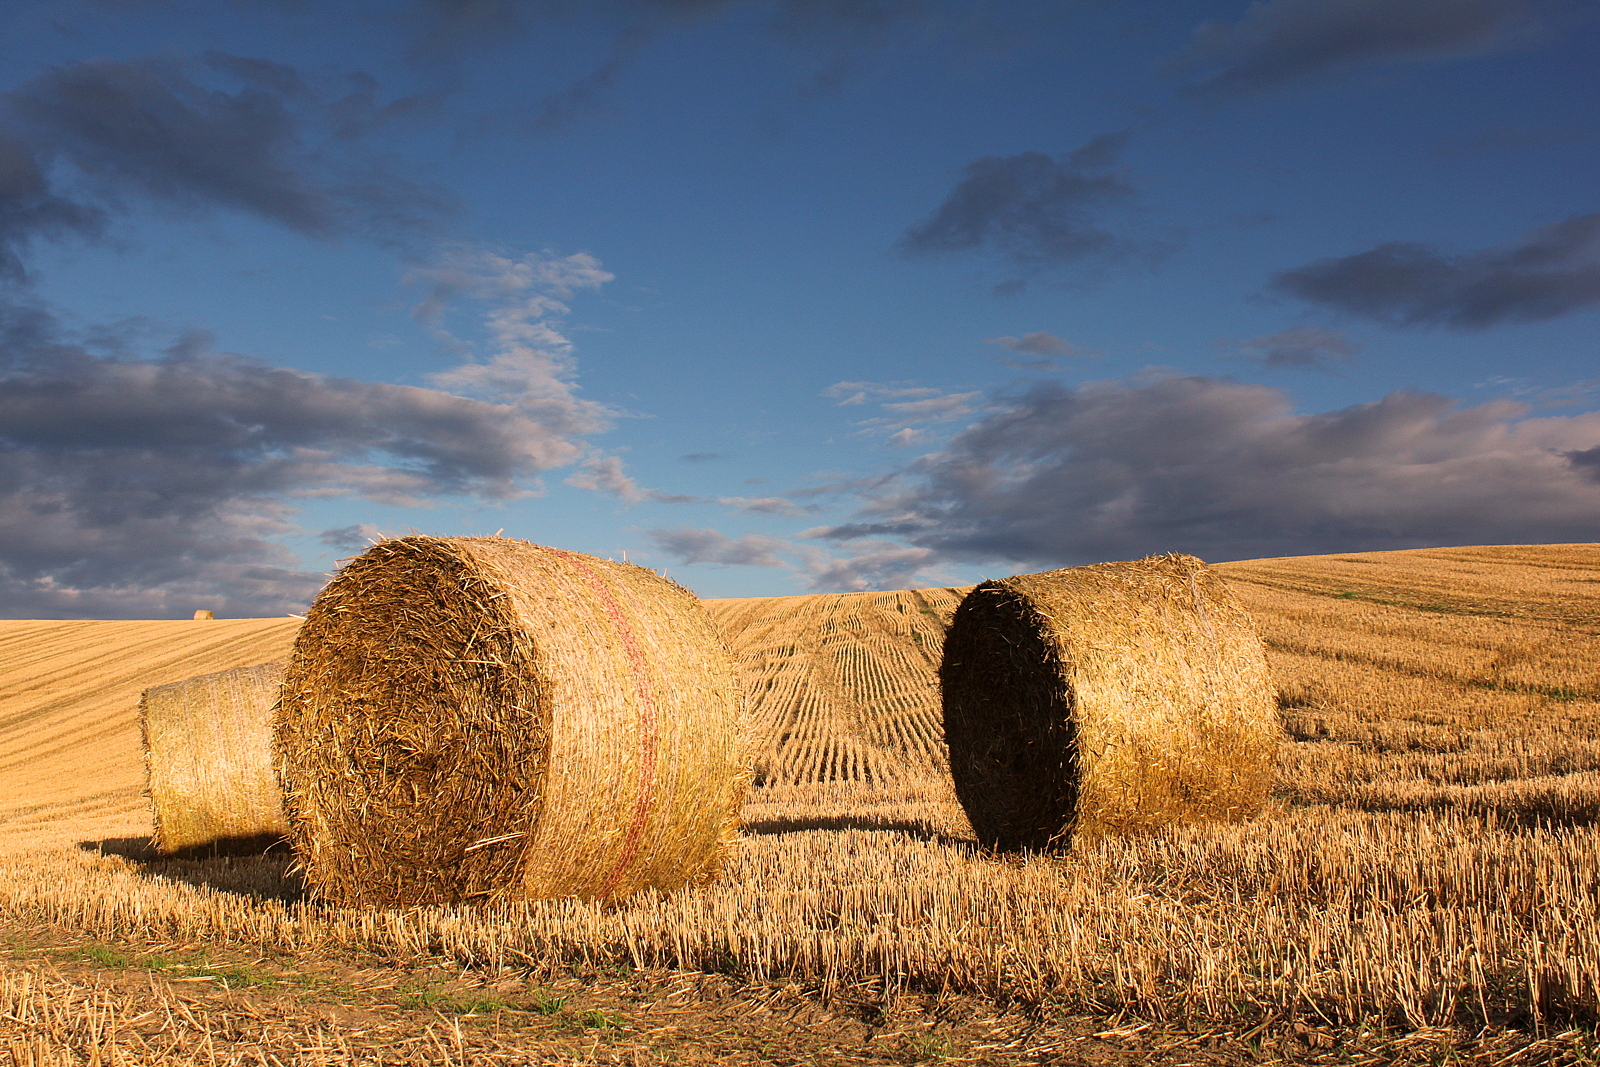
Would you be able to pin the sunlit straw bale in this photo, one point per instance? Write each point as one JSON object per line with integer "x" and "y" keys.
{"x": 208, "y": 761}
{"x": 470, "y": 719}
{"x": 1102, "y": 699}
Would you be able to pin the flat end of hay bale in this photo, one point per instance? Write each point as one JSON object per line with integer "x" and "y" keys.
{"x": 1105, "y": 699}
{"x": 203, "y": 614}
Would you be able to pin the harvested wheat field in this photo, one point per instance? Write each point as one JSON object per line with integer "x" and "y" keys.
{"x": 1423, "y": 886}
{"x": 70, "y": 761}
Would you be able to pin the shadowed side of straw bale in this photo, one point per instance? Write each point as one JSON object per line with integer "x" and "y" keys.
{"x": 482, "y": 718}
{"x": 208, "y": 761}
{"x": 1104, "y": 699}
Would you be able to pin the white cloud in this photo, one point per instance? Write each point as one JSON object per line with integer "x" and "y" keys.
{"x": 604, "y": 474}
{"x": 904, "y": 406}
{"x": 943, "y": 408}
{"x": 530, "y": 364}
{"x": 847, "y": 393}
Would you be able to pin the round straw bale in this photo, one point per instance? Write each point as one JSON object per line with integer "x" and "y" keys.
{"x": 208, "y": 761}
{"x": 480, "y": 718}
{"x": 1105, "y": 699}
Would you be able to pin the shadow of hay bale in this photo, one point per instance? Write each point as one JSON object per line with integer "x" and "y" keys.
{"x": 1504, "y": 813}
{"x": 916, "y": 828}
{"x": 147, "y": 847}
{"x": 133, "y": 848}
{"x": 261, "y": 868}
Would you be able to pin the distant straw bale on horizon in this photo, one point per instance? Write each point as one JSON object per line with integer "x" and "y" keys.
{"x": 480, "y": 718}
{"x": 208, "y": 761}
{"x": 1103, "y": 699}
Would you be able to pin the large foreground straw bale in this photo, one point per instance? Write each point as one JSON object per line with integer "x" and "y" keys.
{"x": 208, "y": 761}
{"x": 480, "y": 718}
{"x": 1101, "y": 699}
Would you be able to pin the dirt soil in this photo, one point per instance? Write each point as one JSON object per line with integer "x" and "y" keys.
{"x": 177, "y": 1003}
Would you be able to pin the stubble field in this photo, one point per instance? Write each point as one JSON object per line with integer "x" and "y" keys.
{"x": 1424, "y": 883}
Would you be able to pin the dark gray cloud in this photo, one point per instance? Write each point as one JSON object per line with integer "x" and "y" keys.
{"x": 1039, "y": 347}
{"x": 1550, "y": 272}
{"x": 354, "y": 538}
{"x": 128, "y": 487}
{"x": 1037, "y": 343}
{"x": 702, "y": 457}
{"x": 276, "y": 147}
{"x": 452, "y": 33}
{"x": 1283, "y": 41}
{"x": 146, "y": 125}
{"x": 453, "y": 28}
{"x": 1587, "y": 460}
{"x": 1227, "y": 470}
{"x": 29, "y": 210}
{"x": 1030, "y": 210}
{"x": 1104, "y": 150}
{"x": 1301, "y": 348}
{"x": 279, "y": 78}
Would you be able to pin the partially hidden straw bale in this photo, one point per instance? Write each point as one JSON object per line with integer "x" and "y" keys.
{"x": 208, "y": 761}
{"x": 479, "y": 718}
{"x": 1105, "y": 699}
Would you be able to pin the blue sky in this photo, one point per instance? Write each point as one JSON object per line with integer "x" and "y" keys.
{"x": 791, "y": 296}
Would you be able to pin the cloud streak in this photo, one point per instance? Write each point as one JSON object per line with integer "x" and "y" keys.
{"x": 688, "y": 545}
{"x": 1039, "y": 343}
{"x": 276, "y": 147}
{"x": 606, "y": 474}
{"x": 1035, "y": 351}
{"x": 874, "y": 564}
{"x": 1550, "y": 272}
{"x": 1280, "y": 42}
{"x": 1300, "y": 348}
{"x": 452, "y": 33}
{"x": 906, "y": 407}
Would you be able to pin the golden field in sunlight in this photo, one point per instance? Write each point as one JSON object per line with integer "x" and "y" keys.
{"x": 1429, "y": 862}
